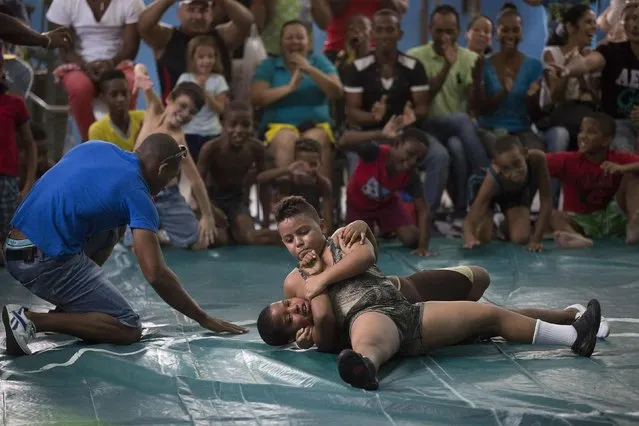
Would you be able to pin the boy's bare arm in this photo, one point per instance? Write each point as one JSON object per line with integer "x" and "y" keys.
{"x": 326, "y": 334}
{"x": 199, "y": 189}
{"x": 357, "y": 232}
{"x": 294, "y": 285}
{"x": 545, "y": 194}
{"x": 260, "y": 156}
{"x": 422, "y": 208}
{"x": 478, "y": 209}
{"x": 351, "y": 139}
{"x": 357, "y": 259}
{"x": 28, "y": 145}
{"x": 204, "y": 159}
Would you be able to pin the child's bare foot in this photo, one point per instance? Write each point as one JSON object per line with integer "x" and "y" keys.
{"x": 572, "y": 240}
{"x": 632, "y": 230}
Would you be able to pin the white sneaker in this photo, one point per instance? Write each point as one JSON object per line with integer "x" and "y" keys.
{"x": 19, "y": 329}
{"x": 604, "y": 326}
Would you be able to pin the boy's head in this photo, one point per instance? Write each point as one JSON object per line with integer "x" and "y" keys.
{"x": 183, "y": 103}
{"x": 279, "y": 322}
{"x": 358, "y": 32}
{"x": 310, "y": 152}
{"x": 299, "y": 226}
{"x": 409, "y": 150}
{"x": 596, "y": 133}
{"x": 238, "y": 123}
{"x": 509, "y": 157}
{"x": 387, "y": 30}
{"x": 115, "y": 92}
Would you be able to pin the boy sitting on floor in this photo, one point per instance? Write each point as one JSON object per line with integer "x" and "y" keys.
{"x": 601, "y": 187}
{"x": 223, "y": 164}
{"x": 512, "y": 181}
{"x": 303, "y": 178}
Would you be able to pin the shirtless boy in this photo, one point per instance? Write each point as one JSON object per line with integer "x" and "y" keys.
{"x": 370, "y": 315}
{"x": 303, "y": 178}
{"x": 223, "y": 163}
{"x": 182, "y": 105}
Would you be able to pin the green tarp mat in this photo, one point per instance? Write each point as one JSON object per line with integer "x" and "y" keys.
{"x": 179, "y": 374}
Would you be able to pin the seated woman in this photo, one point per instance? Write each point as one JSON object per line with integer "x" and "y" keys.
{"x": 357, "y": 306}
{"x": 294, "y": 90}
{"x": 479, "y": 35}
{"x": 105, "y": 37}
{"x": 510, "y": 89}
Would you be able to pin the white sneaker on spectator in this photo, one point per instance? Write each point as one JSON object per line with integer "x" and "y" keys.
{"x": 604, "y": 326}
{"x": 19, "y": 329}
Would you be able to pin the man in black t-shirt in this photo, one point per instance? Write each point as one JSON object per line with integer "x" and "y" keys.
{"x": 388, "y": 83}
{"x": 619, "y": 67}
{"x": 169, "y": 44}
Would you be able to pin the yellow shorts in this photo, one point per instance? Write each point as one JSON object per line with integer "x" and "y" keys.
{"x": 274, "y": 128}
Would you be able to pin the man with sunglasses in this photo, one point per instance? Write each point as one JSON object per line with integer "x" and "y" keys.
{"x": 66, "y": 228}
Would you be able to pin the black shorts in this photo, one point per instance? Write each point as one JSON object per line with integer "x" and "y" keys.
{"x": 505, "y": 201}
{"x": 387, "y": 300}
{"x": 233, "y": 205}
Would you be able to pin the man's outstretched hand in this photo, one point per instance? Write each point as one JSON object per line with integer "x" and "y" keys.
{"x": 221, "y": 326}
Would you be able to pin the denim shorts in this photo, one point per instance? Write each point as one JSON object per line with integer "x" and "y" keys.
{"x": 73, "y": 283}
{"x": 177, "y": 218}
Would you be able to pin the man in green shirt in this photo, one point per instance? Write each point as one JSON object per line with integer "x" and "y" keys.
{"x": 450, "y": 70}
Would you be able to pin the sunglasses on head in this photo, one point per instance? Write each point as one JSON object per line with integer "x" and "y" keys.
{"x": 180, "y": 155}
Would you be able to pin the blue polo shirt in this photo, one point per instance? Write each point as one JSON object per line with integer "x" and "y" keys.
{"x": 307, "y": 103}
{"x": 95, "y": 187}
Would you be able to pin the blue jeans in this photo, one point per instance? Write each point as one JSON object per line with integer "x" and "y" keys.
{"x": 626, "y": 136}
{"x": 73, "y": 283}
{"x": 557, "y": 139}
{"x": 177, "y": 218}
{"x": 459, "y": 164}
{"x": 436, "y": 165}
{"x": 459, "y": 125}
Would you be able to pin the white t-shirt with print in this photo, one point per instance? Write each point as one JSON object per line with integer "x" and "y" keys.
{"x": 96, "y": 40}
{"x": 207, "y": 121}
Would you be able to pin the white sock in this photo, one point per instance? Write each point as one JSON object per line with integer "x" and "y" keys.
{"x": 553, "y": 334}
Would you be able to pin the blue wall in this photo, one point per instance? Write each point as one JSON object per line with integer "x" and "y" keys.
{"x": 532, "y": 45}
